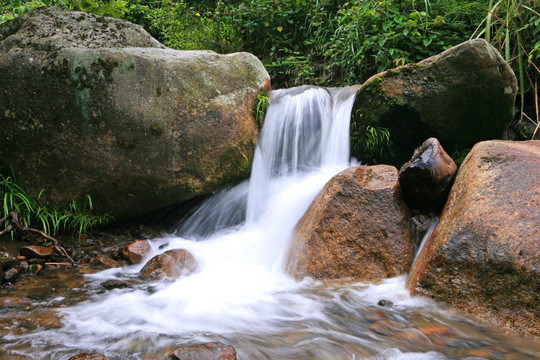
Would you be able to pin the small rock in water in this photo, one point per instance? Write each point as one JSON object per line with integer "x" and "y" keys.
{"x": 36, "y": 252}
{"x": 387, "y": 327}
{"x": 104, "y": 262}
{"x": 93, "y": 356}
{"x": 209, "y": 351}
{"x": 11, "y": 275}
{"x": 115, "y": 284}
{"x": 385, "y": 302}
{"x": 136, "y": 250}
{"x": 172, "y": 264}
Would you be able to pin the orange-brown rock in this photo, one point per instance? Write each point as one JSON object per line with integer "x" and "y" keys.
{"x": 209, "y": 351}
{"x": 104, "y": 262}
{"x": 170, "y": 264}
{"x": 36, "y": 251}
{"x": 86, "y": 356}
{"x": 136, "y": 250}
{"x": 427, "y": 177}
{"x": 358, "y": 226}
{"x": 484, "y": 255}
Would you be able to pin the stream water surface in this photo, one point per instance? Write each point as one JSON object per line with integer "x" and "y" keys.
{"x": 240, "y": 294}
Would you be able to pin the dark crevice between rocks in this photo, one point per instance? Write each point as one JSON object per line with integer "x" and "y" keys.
{"x": 406, "y": 131}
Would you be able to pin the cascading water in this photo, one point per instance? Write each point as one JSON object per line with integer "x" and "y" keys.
{"x": 240, "y": 294}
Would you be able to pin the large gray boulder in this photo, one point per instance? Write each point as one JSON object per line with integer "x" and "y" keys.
{"x": 462, "y": 96}
{"x": 484, "y": 255}
{"x": 95, "y": 105}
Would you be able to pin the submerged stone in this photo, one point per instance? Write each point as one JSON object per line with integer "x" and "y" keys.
{"x": 209, "y": 351}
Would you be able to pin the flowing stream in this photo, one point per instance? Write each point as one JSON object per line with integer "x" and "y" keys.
{"x": 240, "y": 294}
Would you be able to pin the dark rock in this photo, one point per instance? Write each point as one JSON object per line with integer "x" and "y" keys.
{"x": 86, "y": 356}
{"x": 483, "y": 256}
{"x": 115, "y": 284}
{"x": 136, "y": 250}
{"x": 104, "y": 262}
{"x": 426, "y": 179}
{"x": 462, "y": 96}
{"x": 385, "y": 302}
{"x": 170, "y": 264}
{"x": 11, "y": 275}
{"x": 209, "y": 351}
{"x": 94, "y": 105}
{"x": 358, "y": 226}
{"x": 420, "y": 226}
{"x": 7, "y": 261}
{"x": 36, "y": 252}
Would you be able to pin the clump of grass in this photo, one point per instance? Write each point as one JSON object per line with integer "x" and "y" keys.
{"x": 259, "y": 110}
{"x": 73, "y": 220}
{"x": 513, "y": 26}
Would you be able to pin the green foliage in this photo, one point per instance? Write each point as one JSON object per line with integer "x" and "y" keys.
{"x": 14, "y": 8}
{"x": 73, "y": 220}
{"x": 373, "y": 144}
{"x": 259, "y": 111}
{"x": 513, "y": 26}
{"x": 370, "y": 37}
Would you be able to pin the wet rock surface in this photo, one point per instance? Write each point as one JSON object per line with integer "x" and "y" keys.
{"x": 484, "y": 254}
{"x": 136, "y": 251}
{"x": 209, "y": 351}
{"x": 170, "y": 264}
{"x": 427, "y": 177}
{"x": 88, "y": 356}
{"x": 358, "y": 226}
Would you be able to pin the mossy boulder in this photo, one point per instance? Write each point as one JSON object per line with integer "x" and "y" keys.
{"x": 95, "y": 105}
{"x": 462, "y": 96}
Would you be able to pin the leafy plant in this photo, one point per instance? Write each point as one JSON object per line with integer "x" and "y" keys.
{"x": 261, "y": 103}
{"x": 373, "y": 144}
{"x": 74, "y": 219}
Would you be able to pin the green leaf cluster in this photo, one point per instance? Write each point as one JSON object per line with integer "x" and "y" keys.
{"x": 50, "y": 219}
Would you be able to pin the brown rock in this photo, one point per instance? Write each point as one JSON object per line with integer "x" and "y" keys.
{"x": 86, "y": 356}
{"x": 11, "y": 275}
{"x": 462, "y": 96}
{"x": 426, "y": 179}
{"x": 387, "y": 327}
{"x": 484, "y": 255}
{"x": 171, "y": 264}
{"x": 104, "y": 262}
{"x": 136, "y": 250}
{"x": 358, "y": 226}
{"x": 210, "y": 351}
{"x": 36, "y": 252}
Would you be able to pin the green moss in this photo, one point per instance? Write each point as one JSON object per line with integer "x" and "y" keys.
{"x": 157, "y": 129}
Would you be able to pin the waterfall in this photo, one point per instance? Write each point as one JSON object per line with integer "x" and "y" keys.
{"x": 305, "y": 128}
